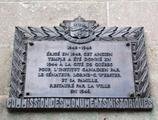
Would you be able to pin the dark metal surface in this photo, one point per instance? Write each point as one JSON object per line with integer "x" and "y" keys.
{"x": 108, "y": 67}
{"x": 121, "y": 84}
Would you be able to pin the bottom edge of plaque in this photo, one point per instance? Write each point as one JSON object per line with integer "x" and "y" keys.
{"x": 80, "y": 103}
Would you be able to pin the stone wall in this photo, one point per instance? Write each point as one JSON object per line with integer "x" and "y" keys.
{"x": 52, "y": 12}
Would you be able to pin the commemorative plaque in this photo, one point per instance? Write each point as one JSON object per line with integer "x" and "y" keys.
{"x": 79, "y": 65}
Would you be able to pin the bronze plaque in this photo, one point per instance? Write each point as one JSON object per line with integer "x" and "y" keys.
{"x": 79, "y": 64}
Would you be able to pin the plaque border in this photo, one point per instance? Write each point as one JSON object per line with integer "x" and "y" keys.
{"x": 140, "y": 99}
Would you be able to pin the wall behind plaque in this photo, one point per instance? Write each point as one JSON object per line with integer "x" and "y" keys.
{"x": 51, "y": 12}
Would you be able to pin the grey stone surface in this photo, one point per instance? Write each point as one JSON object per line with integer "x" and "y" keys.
{"x": 51, "y": 0}
{"x": 11, "y": 1}
{"x": 8, "y": 19}
{"x": 52, "y": 13}
{"x": 5, "y": 68}
{"x": 126, "y": 116}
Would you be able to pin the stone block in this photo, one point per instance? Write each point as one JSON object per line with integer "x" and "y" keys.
{"x": 5, "y": 68}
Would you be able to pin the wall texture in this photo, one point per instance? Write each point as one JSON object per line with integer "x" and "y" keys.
{"x": 52, "y": 12}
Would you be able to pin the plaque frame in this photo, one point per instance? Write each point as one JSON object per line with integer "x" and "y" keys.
{"x": 140, "y": 100}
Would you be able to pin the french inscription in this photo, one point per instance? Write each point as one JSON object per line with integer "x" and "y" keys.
{"x": 63, "y": 69}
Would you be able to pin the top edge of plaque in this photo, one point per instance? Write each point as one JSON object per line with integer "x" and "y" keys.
{"x": 81, "y": 31}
